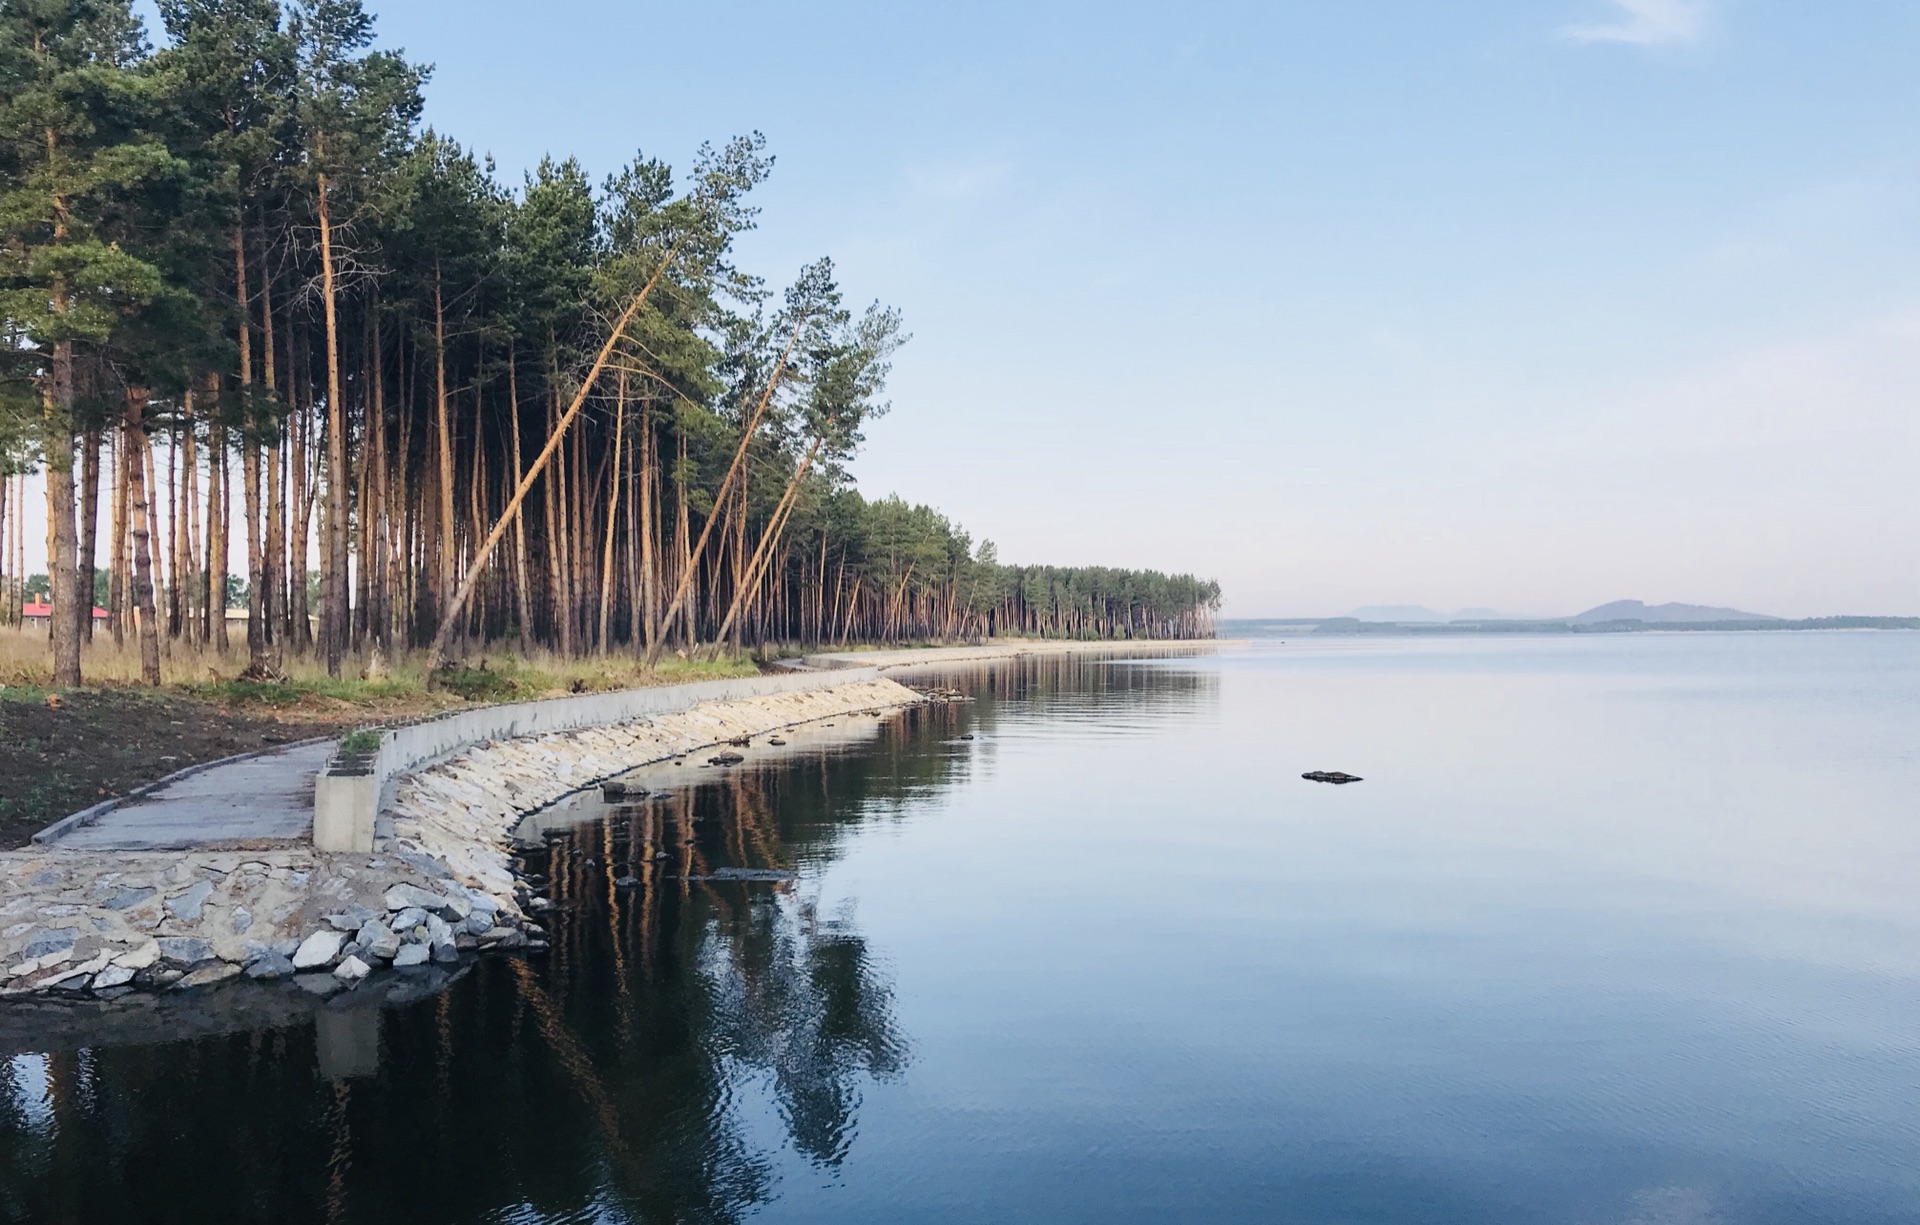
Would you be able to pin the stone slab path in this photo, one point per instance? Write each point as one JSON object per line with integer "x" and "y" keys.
{"x": 268, "y": 797}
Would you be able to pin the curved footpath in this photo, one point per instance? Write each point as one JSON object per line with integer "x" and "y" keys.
{"x": 100, "y": 909}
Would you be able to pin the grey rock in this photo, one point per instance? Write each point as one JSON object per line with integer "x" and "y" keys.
{"x": 438, "y": 932}
{"x": 112, "y": 976}
{"x": 404, "y": 896}
{"x": 352, "y": 970}
{"x": 186, "y": 906}
{"x": 185, "y": 951}
{"x": 319, "y": 949}
{"x": 424, "y": 863}
{"x": 352, "y": 919}
{"x": 288, "y": 947}
{"x": 411, "y": 955}
{"x": 297, "y": 879}
{"x": 208, "y": 975}
{"x": 409, "y": 919}
{"x": 242, "y": 919}
{"x": 378, "y": 939}
{"x": 45, "y": 877}
{"x": 78, "y": 983}
{"x": 478, "y": 923}
{"x": 272, "y": 966}
{"x": 48, "y": 940}
{"x": 445, "y": 951}
{"x": 504, "y": 938}
{"x": 128, "y": 898}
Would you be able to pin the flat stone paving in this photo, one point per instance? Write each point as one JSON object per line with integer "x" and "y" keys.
{"x": 260, "y": 798}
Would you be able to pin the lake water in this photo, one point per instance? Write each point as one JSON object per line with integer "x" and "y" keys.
{"x": 1617, "y": 929}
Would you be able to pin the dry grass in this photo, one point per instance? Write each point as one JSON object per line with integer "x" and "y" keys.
{"x": 399, "y": 688}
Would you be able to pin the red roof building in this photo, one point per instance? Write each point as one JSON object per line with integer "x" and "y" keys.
{"x": 35, "y": 612}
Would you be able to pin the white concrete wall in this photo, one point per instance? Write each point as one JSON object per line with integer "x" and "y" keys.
{"x": 406, "y": 749}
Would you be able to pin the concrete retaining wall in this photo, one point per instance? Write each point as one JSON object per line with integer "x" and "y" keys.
{"x": 406, "y": 749}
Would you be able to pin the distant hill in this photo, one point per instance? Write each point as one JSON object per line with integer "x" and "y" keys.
{"x": 1662, "y": 614}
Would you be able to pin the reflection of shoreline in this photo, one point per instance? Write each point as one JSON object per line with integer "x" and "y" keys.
{"x": 47, "y": 1025}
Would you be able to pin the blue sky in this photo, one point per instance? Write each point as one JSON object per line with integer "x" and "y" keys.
{"x": 1521, "y": 303}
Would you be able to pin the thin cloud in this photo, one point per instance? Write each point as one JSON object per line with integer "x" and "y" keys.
{"x": 1648, "y": 23}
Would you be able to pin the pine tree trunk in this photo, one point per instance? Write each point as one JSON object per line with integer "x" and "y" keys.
{"x": 522, "y": 591}
{"x": 147, "y": 616}
{"x": 89, "y": 526}
{"x": 118, "y": 588}
{"x": 443, "y": 569}
{"x": 613, "y": 507}
{"x": 333, "y": 577}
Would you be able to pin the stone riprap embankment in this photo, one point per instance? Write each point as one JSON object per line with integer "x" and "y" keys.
{"x": 437, "y": 885}
{"x": 458, "y": 812}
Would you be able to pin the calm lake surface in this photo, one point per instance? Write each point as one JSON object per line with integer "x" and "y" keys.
{"x": 1618, "y": 928}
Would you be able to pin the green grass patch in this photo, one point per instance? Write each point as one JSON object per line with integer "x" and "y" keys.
{"x": 360, "y": 741}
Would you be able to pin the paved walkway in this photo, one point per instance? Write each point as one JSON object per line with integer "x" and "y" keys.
{"x": 268, "y": 797}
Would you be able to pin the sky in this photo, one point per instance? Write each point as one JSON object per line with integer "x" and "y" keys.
{"x": 1528, "y": 304}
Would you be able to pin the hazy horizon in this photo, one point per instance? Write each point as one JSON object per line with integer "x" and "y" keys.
{"x": 1513, "y": 304}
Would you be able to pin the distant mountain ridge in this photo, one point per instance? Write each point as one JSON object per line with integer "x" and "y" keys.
{"x": 1656, "y": 614}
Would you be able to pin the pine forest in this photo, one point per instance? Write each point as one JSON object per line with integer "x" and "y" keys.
{"x": 271, "y": 343}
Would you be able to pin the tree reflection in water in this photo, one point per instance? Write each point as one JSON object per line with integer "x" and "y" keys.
{"x": 627, "y": 1075}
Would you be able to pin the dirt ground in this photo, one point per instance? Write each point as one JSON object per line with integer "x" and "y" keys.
{"x": 57, "y": 759}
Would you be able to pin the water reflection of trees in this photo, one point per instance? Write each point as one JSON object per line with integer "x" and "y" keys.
{"x": 1083, "y": 687}
{"x": 619, "y": 1077}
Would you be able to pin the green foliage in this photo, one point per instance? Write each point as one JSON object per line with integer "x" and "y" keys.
{"x": 175, "y": 228}
{"x": 480, "y": 684}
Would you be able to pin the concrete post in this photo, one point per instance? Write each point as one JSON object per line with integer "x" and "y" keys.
{"x": 343, "y": 809}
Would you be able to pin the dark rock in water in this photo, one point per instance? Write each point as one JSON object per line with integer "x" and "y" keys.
{"x": 966, "y": 736}
{"x": 614, "y": 789}
{"x": 1330, "y": 776}
{"x": 775, "y": 741}
{"x": 626, "y": 882}
{"x": 756, "y": 874}
{"x": 741, "y": 742}
{"x": 725, "y": 759}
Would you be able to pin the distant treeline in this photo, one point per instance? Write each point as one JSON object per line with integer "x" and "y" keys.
{"x": 240, "y": 285}
{"x": 1351, "y": 625}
